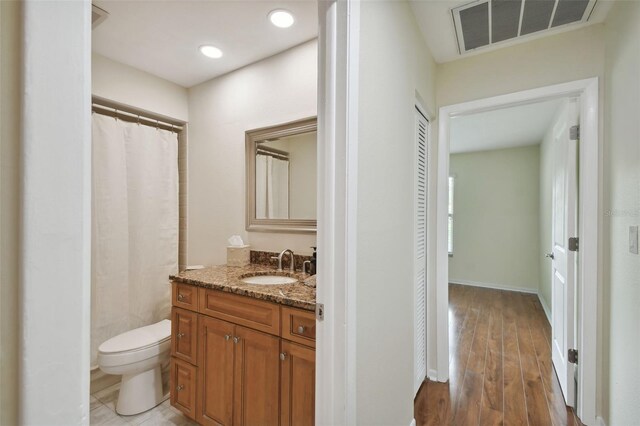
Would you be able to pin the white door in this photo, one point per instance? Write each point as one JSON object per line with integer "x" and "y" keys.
{"x": 420, "y": 250}
{"x": 564, "y": 226}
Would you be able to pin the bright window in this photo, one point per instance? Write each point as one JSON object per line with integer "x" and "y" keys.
{"x": 450, "y": 227}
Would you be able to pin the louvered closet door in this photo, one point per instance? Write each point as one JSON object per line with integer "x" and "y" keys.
{"x": 420, "y": 251}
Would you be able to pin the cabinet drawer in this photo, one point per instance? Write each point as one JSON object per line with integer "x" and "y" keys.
{"x": 184, "y": 334}
{"x": 299, "y": 326}
{"x": 252, "y": 313}
{"x": 185, "y": 296}
{"x": 183, "y": 386}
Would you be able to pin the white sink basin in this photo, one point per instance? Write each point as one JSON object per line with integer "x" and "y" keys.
{"x": 269, "y": 280}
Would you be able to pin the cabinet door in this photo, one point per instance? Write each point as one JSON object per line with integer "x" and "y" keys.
{"x": 183, "y": 387}
{"x": 185, "y": 339}
{"x": 298, "y": 385}
{"x": 257, "y": 375}
{"x": 215, "y": 383}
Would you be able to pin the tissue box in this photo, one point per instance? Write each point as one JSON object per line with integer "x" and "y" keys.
{"x": 238, "y": 256}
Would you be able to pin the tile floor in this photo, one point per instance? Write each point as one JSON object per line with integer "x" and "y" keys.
{"x": 103, "y": 412}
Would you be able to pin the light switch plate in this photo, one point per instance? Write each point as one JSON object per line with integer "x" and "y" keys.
{"x": 633, "y": 239}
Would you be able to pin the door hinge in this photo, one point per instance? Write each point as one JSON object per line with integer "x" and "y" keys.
{"x": 573, "y": 356}
{"x": 319, "y": 311}
{"x": 574, "y": 133}
{"x": 574, "y": 244}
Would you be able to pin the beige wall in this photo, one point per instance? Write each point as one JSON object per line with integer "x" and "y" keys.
{"x": 304, "y": 171}
{"x": 122, "y": 83}
{"x": 394, "y": 65}
{"x": 621, "y": 327}
{"x": 276, "y": 90}
{"x": 496, "y": 237}
{"x": 565, "y": 57}
{"x": 10, "y": 61}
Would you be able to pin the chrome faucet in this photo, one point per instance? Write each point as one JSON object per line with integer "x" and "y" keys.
{"x": 291, "y": 264}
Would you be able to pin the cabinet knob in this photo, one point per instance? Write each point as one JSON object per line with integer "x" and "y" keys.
{"x": 181, "y": 335}
{"x": 227, "y": 336}
{"x": 236, "y": 339}
{"x": 283, "y": 356}
{"x": 179, "y": 388}
{"x": 180, "y": 297}
{"x": 301, "y": 329}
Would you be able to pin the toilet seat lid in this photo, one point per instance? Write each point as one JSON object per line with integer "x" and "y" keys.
{"x": 138, "y": 338}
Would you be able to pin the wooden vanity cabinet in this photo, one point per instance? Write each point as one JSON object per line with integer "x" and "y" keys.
{"x": 215, "y": 361}
{"x": 241, "y": 369}
{"x": 297, "y": 385}
{"x": 257, "y": 378}
{"x": 183, "y": 379}
{"x": 184, "y": 329}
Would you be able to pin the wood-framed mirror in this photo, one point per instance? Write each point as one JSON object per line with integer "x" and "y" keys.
{"x": 281, "y": 170}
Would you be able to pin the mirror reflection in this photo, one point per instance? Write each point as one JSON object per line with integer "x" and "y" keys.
{"x": 285, "y": 177}
{"x": 281, "y": 166}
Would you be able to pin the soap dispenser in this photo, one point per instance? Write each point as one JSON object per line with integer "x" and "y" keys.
{"x": 314, "y": 260}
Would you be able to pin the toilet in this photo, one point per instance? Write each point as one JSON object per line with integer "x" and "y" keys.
{"x": 138, "y": 356}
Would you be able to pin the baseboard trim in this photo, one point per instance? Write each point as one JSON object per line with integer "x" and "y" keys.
{"x": 432, "y": 375}
{"x": 600, "y": 421}
{"x": 493, "y": 286}
{"x": 547, "y": 311}
{"x": 101, "y": 380}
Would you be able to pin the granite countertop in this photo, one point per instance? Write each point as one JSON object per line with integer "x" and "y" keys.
{"x": 227, "y": 278}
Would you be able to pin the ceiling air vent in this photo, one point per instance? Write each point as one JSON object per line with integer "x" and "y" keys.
{"x": 487, "y": 22}
{"x": 97, "y": 16}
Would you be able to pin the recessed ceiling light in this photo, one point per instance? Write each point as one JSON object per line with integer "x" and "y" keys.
{"x": 211, "y": 51}
{"x": 281, "y": 18}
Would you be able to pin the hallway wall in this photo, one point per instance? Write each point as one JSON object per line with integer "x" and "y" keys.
{"x": 496, "y": 236}
{"x": 551, "y": 60}
{"x": 395, "y": 67}
{"x": 621, "y": 326}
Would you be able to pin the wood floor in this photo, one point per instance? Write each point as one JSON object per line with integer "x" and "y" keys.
{"x": 500, "y": 364}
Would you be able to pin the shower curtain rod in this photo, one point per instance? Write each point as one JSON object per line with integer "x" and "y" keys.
{"x": 272, "y": 154}
{"x": 134, "y": 118}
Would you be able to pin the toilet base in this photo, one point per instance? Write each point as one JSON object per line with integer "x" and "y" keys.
{"x": 140, "y": 392}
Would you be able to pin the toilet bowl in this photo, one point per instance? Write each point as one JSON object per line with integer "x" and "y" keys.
{"x": 137, "y": 355}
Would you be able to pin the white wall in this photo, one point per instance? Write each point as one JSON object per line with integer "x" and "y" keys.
{"x": 621, "y": 369}
{"x": 496, "y": 236}
{"x": 122, "y": 83}
{"x": 55, "y": 239}
{"x": 394, "y": 64}
{"x": 10, "y": 67}
{"x": 276, "y": 90}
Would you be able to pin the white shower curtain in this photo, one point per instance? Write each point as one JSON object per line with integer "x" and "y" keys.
{"x": 272, "y": 187}
{"x": 261, "y": 187}
{"x": 135, "y": 226}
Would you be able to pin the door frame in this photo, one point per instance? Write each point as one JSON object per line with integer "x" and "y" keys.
{"x": 338, "y": 72}
{"x": 590, "y": 261}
